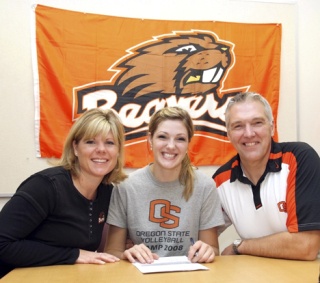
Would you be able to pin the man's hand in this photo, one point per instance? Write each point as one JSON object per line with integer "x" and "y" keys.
{"x": 228, "y": 250}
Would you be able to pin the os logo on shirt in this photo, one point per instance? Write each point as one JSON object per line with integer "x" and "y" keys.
{"x": 160, "y": 212}
{"x": 282, "y": 206}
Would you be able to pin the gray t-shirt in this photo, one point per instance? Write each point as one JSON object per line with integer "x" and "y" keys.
{"x": 156, "y": 214}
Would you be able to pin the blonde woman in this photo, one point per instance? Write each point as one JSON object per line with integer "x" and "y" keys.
{"x": 57, "y": 215}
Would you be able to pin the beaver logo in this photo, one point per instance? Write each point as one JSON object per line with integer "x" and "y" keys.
{"x": 183, "y": 68}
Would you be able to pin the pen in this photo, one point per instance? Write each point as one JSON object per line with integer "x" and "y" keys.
{"x": 192, "y": 243}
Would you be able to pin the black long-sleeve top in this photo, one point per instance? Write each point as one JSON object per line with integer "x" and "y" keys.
{"x": 48, "y": 221}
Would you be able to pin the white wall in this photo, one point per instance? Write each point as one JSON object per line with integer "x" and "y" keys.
{"x": 300, "y": 67}
{"x": 308, "y": 72}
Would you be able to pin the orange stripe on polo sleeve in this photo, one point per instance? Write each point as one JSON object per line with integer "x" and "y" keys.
{"x": 292, "y": 220}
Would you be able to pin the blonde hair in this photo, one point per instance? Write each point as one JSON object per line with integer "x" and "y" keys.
{"x": 90, "y": 124}
{"x": 186, "y": 175}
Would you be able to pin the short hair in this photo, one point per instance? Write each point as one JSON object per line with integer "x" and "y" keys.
{"x": 186, "y": 176}
{"x": 90, "y": 124}
{"x": 249, "y": 96}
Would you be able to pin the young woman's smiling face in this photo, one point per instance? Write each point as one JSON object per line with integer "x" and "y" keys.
{"x": 169, "y": 144}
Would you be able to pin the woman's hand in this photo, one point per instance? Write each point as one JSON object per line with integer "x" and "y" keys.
{"x": 95, "y": 258}
{"x": 201, "y": 252}
{"x": 140, "y": 253}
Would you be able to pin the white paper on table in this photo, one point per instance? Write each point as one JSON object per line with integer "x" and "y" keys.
{"x": 169, "y": 264}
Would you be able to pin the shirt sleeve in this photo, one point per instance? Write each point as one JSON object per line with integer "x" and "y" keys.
{"x": 303, "y": 193}
{"x": 227, "y": 224}
{"x": 211, "y": 210}
{"x": 20, "y": 217}
{"x": 117, "y": 214}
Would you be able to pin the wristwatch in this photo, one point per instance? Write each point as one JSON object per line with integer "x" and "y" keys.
{"x": 236, "y": 245}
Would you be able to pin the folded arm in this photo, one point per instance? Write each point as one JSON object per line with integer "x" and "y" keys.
{"x": 299, "y": 246}
{"x": 18, "y": 219}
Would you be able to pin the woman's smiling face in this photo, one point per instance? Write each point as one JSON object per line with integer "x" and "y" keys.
{"x": 97, "y": 156}
{"x": 169, "y": 144}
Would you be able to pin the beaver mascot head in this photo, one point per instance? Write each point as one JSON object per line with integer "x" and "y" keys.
{"x": 182, "y": 64}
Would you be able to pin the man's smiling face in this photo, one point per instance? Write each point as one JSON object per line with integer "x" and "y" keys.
{"x": 250, "y": 131}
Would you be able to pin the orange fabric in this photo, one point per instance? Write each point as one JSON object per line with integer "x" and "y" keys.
{"x": 292, "y": 221}
{"x": 137, "y": 66}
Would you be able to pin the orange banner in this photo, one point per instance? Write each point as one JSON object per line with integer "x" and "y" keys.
{"x": 136, "y": 66}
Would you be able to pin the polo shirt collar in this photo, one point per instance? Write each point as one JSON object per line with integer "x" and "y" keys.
{"x": 273, "y": 165}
